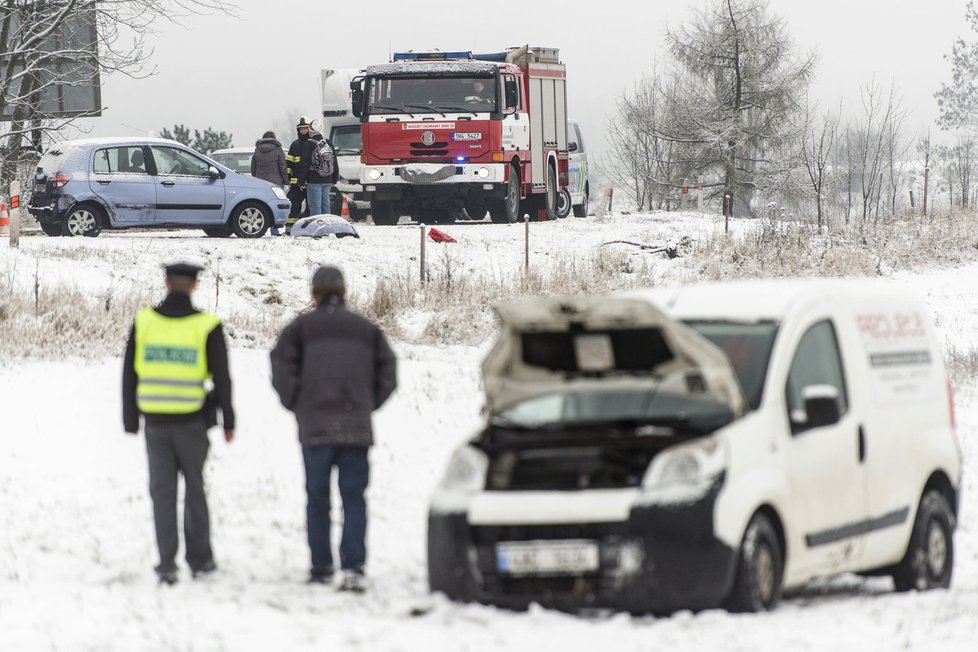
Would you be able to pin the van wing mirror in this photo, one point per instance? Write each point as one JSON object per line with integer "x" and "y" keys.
{"x": 821, "y": 407}
{"x": 572, "y": 146}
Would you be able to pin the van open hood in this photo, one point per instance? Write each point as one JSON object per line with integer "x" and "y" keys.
{"x": 554, "y": 344}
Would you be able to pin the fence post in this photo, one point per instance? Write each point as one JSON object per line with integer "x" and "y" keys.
{"x": 526, "y": 242}
{"x": 15, "y": 214}
{"x": 684, "y": 195}
{"x": 926, "y": 174}
{"x": 699, "y": 194}
{"x": 422, "y": 255}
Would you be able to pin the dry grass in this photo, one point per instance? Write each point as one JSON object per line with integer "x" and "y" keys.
{"x": 453, "y": 305}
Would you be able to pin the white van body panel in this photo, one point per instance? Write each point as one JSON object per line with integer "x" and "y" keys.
{"x": 838, "y": 512}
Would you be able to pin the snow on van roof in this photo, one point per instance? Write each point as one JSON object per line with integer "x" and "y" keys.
{"x": 407, "y": 68}
{"x": 763, "y": 300}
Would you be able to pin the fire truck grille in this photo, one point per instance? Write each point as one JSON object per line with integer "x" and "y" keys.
{"x": 434, "y": 149}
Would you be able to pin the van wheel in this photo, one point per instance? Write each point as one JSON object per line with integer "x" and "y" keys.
{"x": 563, "y": 203}
{"x": 930, "y": 554}
{"x": 760, "y": 569}
{"x": 580, "y": 210}
{"x": 85, "y": 220}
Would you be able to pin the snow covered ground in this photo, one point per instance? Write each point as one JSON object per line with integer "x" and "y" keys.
{"x": 76, "y": 537}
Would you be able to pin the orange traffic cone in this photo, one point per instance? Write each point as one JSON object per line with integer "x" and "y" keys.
{"x": 345, "y": 210}
{"x": 4, "y": 220}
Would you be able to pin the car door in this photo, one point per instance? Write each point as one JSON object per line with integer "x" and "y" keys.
{"x": 826, "y": 479}
{"x": 186, "y": 193}
{"x": 121, "y": 180}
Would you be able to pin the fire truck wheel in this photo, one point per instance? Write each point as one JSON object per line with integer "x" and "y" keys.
{"x": 563, "y": 203}
{"x": 507, "y": 211}
{"x": 384, "y": 213}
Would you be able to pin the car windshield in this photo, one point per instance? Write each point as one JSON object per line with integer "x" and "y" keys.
{"x": 432, "y": 95}
{"x": 346, "y": 140}
{"x": 240, "y": 163}
{"x": 669, "y": 411}
{"x": 748, "y": 347}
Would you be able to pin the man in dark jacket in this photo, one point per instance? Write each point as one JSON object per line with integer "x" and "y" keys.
{"x": 296, "y": 194}
{"x": 317, "y": 185}
{"x": 332, "y": 368}
{"x": 268, "y": 163}
{"x": 172, "y": 350}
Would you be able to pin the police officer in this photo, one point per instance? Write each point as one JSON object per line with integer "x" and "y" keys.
{"x": 297, "y": 191}
{"x": 173, "y": 350}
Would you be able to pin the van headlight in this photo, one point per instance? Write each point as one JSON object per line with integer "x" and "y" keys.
{"x": 464, "y": 477}
{"x": 279, "y": 193}
{"x": 685, "y": 472}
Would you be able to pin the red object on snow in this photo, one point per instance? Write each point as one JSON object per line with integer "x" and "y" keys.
{"x": 438, "y": 236}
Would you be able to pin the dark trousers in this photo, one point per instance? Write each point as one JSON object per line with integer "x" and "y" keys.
{"x": 297, "y": 196}
{"x": 174, "y": 449}
{"x": 353, "y": 475}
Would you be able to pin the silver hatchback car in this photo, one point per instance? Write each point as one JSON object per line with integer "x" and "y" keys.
{"x": 84, "y": 186}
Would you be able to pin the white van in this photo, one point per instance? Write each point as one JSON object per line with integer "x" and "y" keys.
{"x": 343, "y": 129}
{"x": 703, "y": 446}
{"x": 575, "y": 195}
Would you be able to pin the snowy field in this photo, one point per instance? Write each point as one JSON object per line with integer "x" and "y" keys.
{"x": 76, "y": 535}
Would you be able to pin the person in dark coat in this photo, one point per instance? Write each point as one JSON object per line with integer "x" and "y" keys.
{"x": 333, "y": 368}
{"x": 316, "y": 186}
{"x": 296, "y": 194}
{"x": 173, "y": 350}
{"x": 268, "y": 163}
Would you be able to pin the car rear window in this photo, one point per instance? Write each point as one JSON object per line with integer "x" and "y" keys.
{"x": 52, "y": 160}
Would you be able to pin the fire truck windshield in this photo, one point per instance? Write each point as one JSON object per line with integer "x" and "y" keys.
{"x": 432, "y": 95}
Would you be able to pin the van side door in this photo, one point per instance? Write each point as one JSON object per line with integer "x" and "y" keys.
{"x": 827, "y": 495}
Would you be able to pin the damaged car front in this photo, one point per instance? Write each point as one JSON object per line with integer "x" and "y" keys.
{"x": 593, "y": 481}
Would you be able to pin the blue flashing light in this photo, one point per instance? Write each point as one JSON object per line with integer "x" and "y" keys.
{"x": 431, "y": 56}
{"x": 460, "y": 159}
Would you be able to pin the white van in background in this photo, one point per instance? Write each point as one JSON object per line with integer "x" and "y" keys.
{"x": 343, "y": 130}
{"x": 703, "y": 446}
{"x": 575, "y": 196}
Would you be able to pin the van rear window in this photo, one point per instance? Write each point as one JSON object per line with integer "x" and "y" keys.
{"x": 596, "y": 351}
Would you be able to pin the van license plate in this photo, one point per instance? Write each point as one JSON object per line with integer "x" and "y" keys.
{"x": 546, "y": 557}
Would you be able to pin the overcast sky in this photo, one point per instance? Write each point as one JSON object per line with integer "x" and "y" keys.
{"x": 249, "y": 74}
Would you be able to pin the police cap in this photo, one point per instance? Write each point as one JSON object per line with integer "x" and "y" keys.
{"x": 182, "y": 268}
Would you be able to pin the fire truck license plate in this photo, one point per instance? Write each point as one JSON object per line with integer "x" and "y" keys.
{"x": 467, "y": 135}
{"x": 546, "y": 557}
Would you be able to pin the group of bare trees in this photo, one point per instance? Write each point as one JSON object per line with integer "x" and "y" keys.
{"x": 730, "y": 104}
{"x": 51, "y": 48}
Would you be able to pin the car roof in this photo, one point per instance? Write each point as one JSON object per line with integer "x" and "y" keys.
{"x": 116, "y": 140}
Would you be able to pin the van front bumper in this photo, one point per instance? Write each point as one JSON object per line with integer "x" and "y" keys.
{"x": 664, "y": 557}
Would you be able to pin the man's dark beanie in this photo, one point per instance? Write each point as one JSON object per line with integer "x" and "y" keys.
{"x": 328, "y": 281}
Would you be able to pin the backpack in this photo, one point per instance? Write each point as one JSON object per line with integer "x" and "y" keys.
{"x": 323, "y": 160}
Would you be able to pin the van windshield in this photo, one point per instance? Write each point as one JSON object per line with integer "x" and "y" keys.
{"x": 748, "y": 347}
{"x": 346, "y": 140}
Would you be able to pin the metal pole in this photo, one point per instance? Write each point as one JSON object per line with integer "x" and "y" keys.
{"x": 526, "y": 242}
{"x": 421, "y": 257}
{"x": 15, "y": 214}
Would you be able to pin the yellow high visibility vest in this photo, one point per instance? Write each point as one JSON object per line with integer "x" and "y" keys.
{"x": 171, "y": 361}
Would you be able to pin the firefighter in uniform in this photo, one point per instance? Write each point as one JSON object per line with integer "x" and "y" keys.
{"x": 173, "y": 350}
{"x": 297, "y": 194}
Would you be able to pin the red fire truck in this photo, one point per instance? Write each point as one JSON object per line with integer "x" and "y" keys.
{"x": 454, "y": 135}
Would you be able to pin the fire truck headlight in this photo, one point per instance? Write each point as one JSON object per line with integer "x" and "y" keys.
{"x": 483, "y": 173}
{"x": 373, "y": 174}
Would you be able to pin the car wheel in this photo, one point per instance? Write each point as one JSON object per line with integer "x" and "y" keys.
{"x": 53, "y": 229}
{"x": 580, "y": 210}
{"x": 930, "y": 555}
{"x": 250, "y": 220}
{"x": 85, "y": 220}
{"x": 218, "y": 231}
{"x": 507, "y": 210}
{"x": 760, "y": 568}
{"x": 563, "y": 203}
{"x": 384, "y": 212}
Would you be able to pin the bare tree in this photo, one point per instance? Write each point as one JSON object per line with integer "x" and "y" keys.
{"x": 48, "y": 45}
{"x": 926, "y": 149}
{"x": 815, "y": 154}
{"x": 959, "y": 165}
{"x": 740, "y": 104}
{"x": 881, "y": 116}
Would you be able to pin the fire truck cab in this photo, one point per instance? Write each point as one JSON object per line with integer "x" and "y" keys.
{"x": 456, "y": 135}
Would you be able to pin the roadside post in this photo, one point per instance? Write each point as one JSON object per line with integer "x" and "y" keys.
{"x": 15, "y": 214}
{"x": 727, "y": 209}
{"x": 526, "y": 242}
{"x": 685, "y": 194}
{"x": 422, "y": 255}
{"x": 699, "y": 194}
